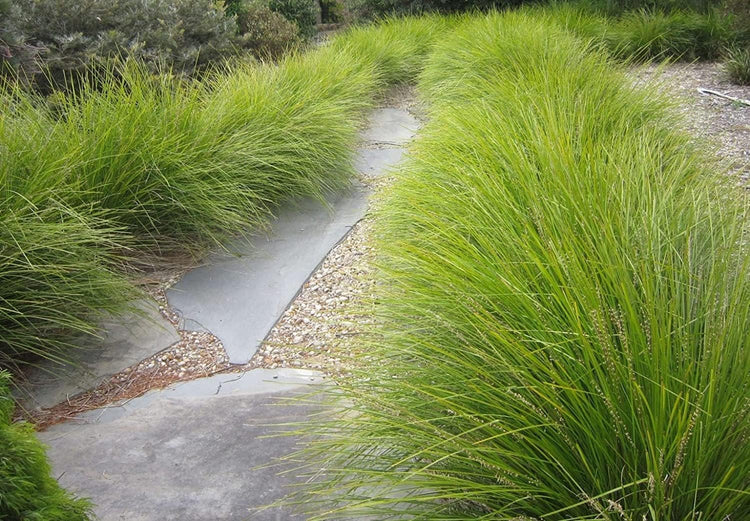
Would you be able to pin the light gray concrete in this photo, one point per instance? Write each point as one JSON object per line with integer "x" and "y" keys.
{"x": 240, "y": 297}
{"x": 391, "y": 126}
{"x": 124, "y": 340}
{"x": 376, "y": 162}
{"x": 189, "y": 453}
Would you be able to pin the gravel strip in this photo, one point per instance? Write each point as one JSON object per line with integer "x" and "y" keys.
{"x": 316, "y": 330}
{"x": 722, "y": 123}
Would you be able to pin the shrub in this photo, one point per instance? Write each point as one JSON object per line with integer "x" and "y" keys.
{"x": 16, "y": 57}
{"x": 740, "y": 11}
{"x": 186, "y": 35}
{"x": 737, "y": 66}
{"x": 27, "y": 491}
{"x": 562, "y": 310}
{"x": 333, "y": 11}
{"x": 302, "y": 12}
{"x": 265, "y": 33}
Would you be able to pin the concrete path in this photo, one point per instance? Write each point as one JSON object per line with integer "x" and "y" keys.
{"x": 125, "y": 340}
{"x": 192, "y": 452}
{"x": 239, "y": 297}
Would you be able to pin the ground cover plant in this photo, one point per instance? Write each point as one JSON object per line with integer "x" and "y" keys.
{"x": 27, "y": 490}
{"x": 563, "y": 309}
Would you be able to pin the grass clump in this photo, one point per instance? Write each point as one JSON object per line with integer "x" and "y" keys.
{"x": 563, "y": 309}
{"x": 178, "y": 163}
{"x": 57, "y": 277}
{"x": 737, "y": 66}
{"x": 396, "y": 47}
{"x": 682, "y": 34}
{"x": 27, "y": 491}
{"x": 641, "y": 35}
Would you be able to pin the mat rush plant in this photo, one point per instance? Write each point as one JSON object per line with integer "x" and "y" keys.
{"x": 27, "y": 490}
{"x": 737, "y": 65}
{"x": 563, "y": 309}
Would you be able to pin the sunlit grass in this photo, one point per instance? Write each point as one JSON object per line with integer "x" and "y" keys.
{"x": 563, "y": 305}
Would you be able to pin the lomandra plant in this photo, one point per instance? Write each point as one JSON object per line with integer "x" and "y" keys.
{"x": 396, "y": 47}
{"x": 57, "y": 278}
{"x": 682, "y": 34}
{"x": 737, "y": 65}
{"x": 563, "y": 310}
{"x": 27, "y": 489}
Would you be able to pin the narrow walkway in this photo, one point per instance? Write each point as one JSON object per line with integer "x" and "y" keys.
{"x": 191, "y": 452}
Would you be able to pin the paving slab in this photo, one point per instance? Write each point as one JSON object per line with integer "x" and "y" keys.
{"x": 124, "y": 340}
{"x": 239, "y": 296}
{"x": 376, "y": 162}
{"x": 189, "y": 453}
{"x": 391, "y": 126}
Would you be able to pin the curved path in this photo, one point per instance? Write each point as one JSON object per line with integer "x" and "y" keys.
{"x": 191, "y": 452}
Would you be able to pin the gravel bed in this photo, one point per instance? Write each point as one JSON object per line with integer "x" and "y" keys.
{"x": 722, "y": 123}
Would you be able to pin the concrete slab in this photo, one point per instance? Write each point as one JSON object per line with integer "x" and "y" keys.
{"x": 391, "y": 126}
{"x": 125, "y": 340}
{"x": 190, "y": 453}
{"x": 239, "y": 297}
{"x": 376, "y": 162}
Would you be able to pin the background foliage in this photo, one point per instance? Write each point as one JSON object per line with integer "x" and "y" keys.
{"x": 266, "y": 33}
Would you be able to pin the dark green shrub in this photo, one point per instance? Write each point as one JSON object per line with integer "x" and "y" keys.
{"x": 15, "y": 55}
{"x": 27, "y": 490}
{"x": 186, "y": 35}
{"x": 737, "y": 66}
{"x": 302, "y": 12}
{"x": 332, "y": 11}
{"x": 265, "y": 33}
{"x": 740, "y": 11}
